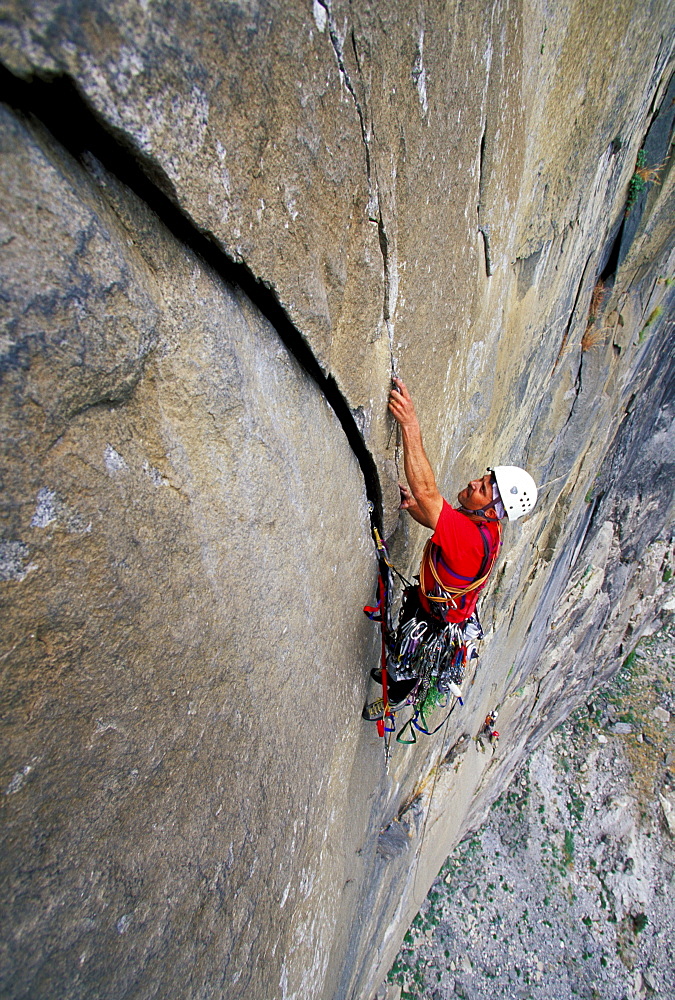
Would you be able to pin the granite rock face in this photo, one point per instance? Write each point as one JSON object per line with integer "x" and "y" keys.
{"x": 566, "y": 890}
{"x": 224, "y": 227}
{"x": 165, "y": 668}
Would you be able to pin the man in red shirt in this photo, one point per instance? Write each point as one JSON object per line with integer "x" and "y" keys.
{"x": 438, "y": 617}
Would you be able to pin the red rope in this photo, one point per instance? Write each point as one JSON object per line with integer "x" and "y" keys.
{"x": 381, "y": 724}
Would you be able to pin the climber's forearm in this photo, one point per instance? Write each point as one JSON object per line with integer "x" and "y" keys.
{"x": 428, "y": 501}
{"x": 420, "y": 476}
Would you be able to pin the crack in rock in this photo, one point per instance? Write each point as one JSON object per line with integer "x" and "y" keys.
{"x": 374, "y": 208}
{"x": 336, "y": 41}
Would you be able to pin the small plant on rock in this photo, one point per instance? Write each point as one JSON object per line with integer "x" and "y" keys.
{"x": 596, "y": 300}
{"x": 654, "y": 315}
{"x": 569, "y": 847}
{"x": 592, "y": 338}
{"x": 650, "y": 175}
{"x": 652, "y": 318}
{"x": 643, "y": 176}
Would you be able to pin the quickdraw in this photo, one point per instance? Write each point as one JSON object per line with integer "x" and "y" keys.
{"x": 439, "y": 675}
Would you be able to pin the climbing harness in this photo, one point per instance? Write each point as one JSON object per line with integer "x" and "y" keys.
{"x": 424, "y": 648}
{"x": 438, "y": 658}
{"x": 434, "y": 654}
{"x": 431, "y": 649}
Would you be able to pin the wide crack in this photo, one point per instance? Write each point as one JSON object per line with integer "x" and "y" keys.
{"x": 60, "y": 108}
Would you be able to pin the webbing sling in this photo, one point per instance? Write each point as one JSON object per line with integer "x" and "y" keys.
{"x": 424, "y": 728}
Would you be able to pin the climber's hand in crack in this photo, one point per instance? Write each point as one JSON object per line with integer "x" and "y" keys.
{"x": 401, "y": 405}
{"x": 407, "y": 499}
{"x": 409, "y": 504}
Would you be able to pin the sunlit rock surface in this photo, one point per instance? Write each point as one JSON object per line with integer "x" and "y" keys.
{"x": 201, "y": 204}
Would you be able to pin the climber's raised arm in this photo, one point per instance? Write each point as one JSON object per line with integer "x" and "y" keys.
{"x": 424, "y": 503}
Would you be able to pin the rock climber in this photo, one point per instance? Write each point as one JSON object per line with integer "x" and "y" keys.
{"x": 438, "y": 623}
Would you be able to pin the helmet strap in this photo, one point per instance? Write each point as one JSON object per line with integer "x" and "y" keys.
{"x": 480, "y": 512}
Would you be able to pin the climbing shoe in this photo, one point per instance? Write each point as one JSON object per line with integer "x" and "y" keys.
{"x": 376, "y": 675}
{"x": 375, "y": 710}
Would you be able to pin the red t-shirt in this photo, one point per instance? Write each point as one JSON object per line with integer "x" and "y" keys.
{"x": 460, "y": 558}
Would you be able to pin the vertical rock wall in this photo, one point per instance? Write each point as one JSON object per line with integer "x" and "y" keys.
{"x": 167, "y": 561}
{"x": 224, "y": 227}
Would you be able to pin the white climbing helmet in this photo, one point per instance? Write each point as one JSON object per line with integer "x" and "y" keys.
{"x": 517, "y": 490}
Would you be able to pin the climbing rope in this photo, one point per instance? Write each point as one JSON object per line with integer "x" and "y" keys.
{"x": 381, "y": 613}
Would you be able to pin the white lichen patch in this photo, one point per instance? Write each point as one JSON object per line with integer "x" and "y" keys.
{"x": 18, "y": 780}
{"x": 13, "y": 557}
{"x": 6, "y": 344}
{"x": 114, "y": 462}
{"x": 290, "y": 202}
{"x": 45, "y": 510}
{"x": 419, "y": 73}
{"x": 50, "y": 508}
{"x": 123, "y": 922}
{"x": 320, "y": 15}
{"x": 154, "y": 474}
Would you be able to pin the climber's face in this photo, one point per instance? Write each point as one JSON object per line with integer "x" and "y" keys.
{"x": 477, "y": 494}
